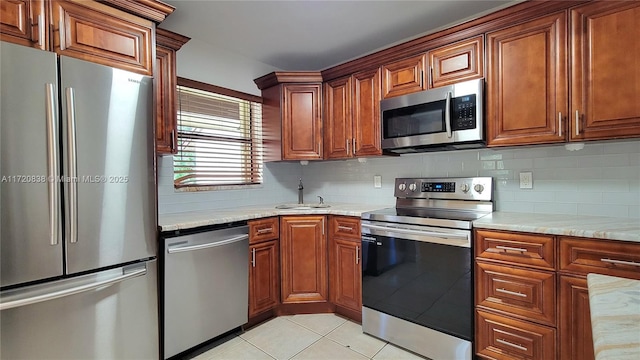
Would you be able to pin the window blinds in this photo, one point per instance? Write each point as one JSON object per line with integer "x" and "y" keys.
{"x": 219, "y": 139}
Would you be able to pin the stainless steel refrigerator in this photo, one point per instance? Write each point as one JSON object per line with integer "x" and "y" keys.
{"x": 77, "y": 200}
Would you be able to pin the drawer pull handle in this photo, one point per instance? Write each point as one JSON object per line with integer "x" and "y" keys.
{"x": 511, "y": 292}
{"x": 266, "y": 230}
{"x": 506, "y": 248}
{"x": 340, "y": 227}
{"x": 620, "y": 262}
{"x": 503, "y": 342}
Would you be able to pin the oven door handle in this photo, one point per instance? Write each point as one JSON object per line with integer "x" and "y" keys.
{"x": 416, "y": 232}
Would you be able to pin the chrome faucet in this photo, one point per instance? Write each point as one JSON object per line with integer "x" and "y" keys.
{"x": 300, "y": 196}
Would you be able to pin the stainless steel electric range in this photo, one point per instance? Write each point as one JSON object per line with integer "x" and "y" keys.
{"x": 417, "y": 262}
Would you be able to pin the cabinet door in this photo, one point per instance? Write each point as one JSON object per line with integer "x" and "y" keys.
{"x": 303, "y": 259}
{"x": 264, "y": 277}
{"x": 344, "y": 273}
{"x": 166, "y": 109}
{"x": 457, "y": 62}
{"x": 166, "y": 93}
{"x": 95, "y": 32}
{"x": 338, "y": 137}
{"x": 403, "y": 77}
{"x": 24, "y": 22}
{"x": 575, "y": 336}
{"x": 605, "y": 78}
{"x": 301, "y": 122}
{"x": 527, "y": 83}
{"x": 366, "y": 113}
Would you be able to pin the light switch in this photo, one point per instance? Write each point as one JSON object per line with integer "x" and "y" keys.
{"x": 377, "y": 181}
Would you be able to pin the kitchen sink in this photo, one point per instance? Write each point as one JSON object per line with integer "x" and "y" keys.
{"x": 302, "y": 206}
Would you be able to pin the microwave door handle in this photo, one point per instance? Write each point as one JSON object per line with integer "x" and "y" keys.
{"x": 447, "y": 115}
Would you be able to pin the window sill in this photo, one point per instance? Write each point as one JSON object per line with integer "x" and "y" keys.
{"x": 217, "y": 187}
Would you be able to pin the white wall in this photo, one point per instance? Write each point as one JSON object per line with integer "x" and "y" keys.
{"x": 197, "y": 60}
{"x": 602, "y": 179}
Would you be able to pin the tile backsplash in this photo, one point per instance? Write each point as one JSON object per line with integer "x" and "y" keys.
{"x": 601, "y": 179}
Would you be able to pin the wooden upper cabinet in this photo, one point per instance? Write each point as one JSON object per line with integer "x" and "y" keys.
{"x": 338, "y": 137}
{"x": 605, "y": 85}
{"x": 457, "y": 62}
{"x": 24, "y": 22}
{"x": 98, "y": 33}
{"x": 291, "y": 115}
{"x": 301, "y": 122}
{"x": 402, "y": 77}
{"x": 167, "y": 43}
{"x": 527, "y": 83}
{"x": 366, "y": 113}
{"x": 303, "y": 259}
{"x": 352, "y": 116}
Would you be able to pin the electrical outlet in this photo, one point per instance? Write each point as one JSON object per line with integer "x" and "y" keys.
{"x": 526, "y": 180}
{"x": 377, "y": 181}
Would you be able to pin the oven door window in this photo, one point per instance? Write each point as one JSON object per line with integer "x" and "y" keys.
{"x": 424, "y": 283}
{"x": 414, "y": 120}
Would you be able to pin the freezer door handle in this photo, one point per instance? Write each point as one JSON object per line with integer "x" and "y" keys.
{"x": 53, "y": 161}
{"x": 30, "y": 296}
{"x": 180, "y": 248}
{"x": 72, "y": 166}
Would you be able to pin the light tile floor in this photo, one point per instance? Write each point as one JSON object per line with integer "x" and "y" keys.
{"x": 314, "y": 336}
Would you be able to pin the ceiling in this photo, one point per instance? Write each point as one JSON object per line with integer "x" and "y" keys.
{"x": 315, "y": 35}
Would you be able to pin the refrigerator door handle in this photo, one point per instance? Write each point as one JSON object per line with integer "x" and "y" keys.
{"x": 27, "y": 296}
{"x": 72, "y": 166}
{"x": 178, "y": 249}
{"x": 53, "y": 161}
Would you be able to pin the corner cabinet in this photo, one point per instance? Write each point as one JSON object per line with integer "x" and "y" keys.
{"x": 352, "y": 116}
{"x": 292, "y": 115}
{"x": 264, "y": 266}
{"x": 303, "y": 259}
{"x": 527, "y": 83}
{"x": 345, "y": 274}
{"x": 167, "y": 44}
{"x": 605, "y": 74}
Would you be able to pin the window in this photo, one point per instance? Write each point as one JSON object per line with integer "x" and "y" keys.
{"x": 219, "y": 137}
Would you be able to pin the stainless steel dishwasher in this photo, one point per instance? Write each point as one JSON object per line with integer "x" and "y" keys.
{"x": 206, "y": 282}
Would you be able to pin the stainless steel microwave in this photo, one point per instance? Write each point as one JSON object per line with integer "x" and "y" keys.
{"x": 444, "y": 118}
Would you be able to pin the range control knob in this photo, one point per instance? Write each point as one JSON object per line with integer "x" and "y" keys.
{"x": 479, "y": 188}
{"x": 413, "y": 186}
{"x": 464, "y": 188}
{"x": 402, "y": 187}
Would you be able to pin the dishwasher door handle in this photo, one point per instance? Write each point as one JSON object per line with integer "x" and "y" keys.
{"x": 179, "y": 249}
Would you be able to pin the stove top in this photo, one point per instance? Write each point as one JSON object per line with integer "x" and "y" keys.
{"x": 441, "y": 202}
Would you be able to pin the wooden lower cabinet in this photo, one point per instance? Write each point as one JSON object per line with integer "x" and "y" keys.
{"x": 303, "y": 260}
{"x": 345, "y": 275}
{"x": 264, "y": 277}
{"x": 575, "y": 338}
{"x": 506, "y": 338}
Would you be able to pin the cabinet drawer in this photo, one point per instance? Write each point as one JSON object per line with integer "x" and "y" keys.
{"x": 505, "y": 338}
{"x": 346, "y": 227}
{"x": 516, "y": 248}
{"x": 615, "y": 258}
{"x": 525, "y": 294}
{"x": 263, "y": 230}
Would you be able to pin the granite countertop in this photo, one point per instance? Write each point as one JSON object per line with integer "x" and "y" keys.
{"x": 193, "y": 219}
{"x": 615, "y": 316}
{"x": 599, "y": 227}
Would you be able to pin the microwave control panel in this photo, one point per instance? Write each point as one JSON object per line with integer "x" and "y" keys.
{"x": 463, "y": 114}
